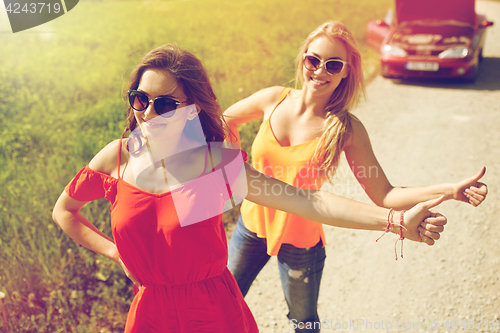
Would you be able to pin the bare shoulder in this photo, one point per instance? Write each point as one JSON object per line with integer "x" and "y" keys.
{"x": 269, "y": 96}
{"x": 358, "y": 133}
{"x": 270, "y": 93}
{"x": 106, "y": 161}
{"x": 264, "y": 97}
{"x": 257, "y": 105}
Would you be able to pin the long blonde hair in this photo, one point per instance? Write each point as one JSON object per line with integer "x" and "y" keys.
{"x": 337, "y": 123}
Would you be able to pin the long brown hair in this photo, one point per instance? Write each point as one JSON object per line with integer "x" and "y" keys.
{"x": 193, "y": 78}
{"x": 337, "y": 123}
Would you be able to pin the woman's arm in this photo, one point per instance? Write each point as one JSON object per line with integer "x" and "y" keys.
{"x": 328, "y": 208}
{"x": 67, "y": 216}
{"x": 371, "y": 176}
{"x": 253, "y": 107}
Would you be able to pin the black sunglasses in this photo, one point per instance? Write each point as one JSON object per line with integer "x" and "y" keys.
{"x": 139, "y": 101}
{"x": 332, "y": 66}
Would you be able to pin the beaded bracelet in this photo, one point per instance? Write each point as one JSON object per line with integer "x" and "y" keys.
{"x": 389, "y": 223}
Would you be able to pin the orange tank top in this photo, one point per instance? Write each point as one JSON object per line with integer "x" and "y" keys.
{"x": 292, "y": 165}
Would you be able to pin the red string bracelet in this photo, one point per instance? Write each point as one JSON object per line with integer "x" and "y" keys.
{"x": 401, "y": 237}
{"x": 389, "y": 223}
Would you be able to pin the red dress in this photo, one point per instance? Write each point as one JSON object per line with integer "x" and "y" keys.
{"x": 186, "y": 286}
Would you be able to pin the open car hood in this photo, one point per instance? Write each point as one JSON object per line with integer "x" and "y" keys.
{"x": 432, "y": 37}
{"x": 459, "y": 10}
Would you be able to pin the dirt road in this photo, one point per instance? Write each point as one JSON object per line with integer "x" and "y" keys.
{"x": 422, "y": 134}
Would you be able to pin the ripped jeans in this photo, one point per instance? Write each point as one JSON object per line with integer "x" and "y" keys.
{"x": 300, "y": 273}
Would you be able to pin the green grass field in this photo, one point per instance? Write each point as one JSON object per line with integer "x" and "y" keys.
{"x": 61, "y": 102}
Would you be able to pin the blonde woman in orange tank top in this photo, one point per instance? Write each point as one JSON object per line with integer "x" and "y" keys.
{"x": 302, "y": 135}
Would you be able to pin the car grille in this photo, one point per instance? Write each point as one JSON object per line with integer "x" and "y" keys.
{"x": 441, "y": 72}
{"x": 425, "y": 53}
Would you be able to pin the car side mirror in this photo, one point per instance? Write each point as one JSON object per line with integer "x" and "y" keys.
{"x": 485, "y": 24}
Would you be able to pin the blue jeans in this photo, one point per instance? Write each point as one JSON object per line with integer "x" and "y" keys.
{"x": 300, "y": 272}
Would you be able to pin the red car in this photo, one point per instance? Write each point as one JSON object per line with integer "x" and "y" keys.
{"x": 430, "y": 39}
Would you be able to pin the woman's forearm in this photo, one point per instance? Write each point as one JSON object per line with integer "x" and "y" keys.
{"x": 407, "y": 197}
{"x": 469, "y": 190}
{"x": 318, "y": 206}
{"x": 85, "y": 233}
{"x": 328, "y": 208}
{"x": 334, "y": 210}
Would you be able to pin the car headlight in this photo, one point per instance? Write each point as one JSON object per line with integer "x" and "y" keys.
{"x": 455, "y": 52}
{"x": 392, "y": 50}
